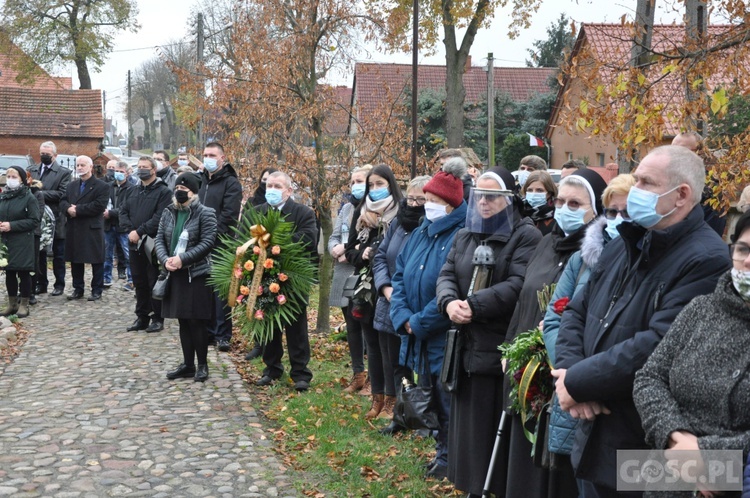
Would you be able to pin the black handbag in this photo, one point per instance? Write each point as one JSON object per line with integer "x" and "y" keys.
{"x": 451, "y": 360}
{"x": 415, "y": 404}
{"x": 161, "y": 287}
{"x": 350, "y": 284}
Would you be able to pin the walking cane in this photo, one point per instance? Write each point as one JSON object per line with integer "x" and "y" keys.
{"x": 495, "y": 450}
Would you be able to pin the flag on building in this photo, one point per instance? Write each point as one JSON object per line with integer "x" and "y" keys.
{"x": 535, "y": 141}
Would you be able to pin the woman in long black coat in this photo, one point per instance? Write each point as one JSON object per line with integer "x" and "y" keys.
{"x": 186, "y": 258}
{"x": 476, "y": 406}
{"x": 19, "y": 216}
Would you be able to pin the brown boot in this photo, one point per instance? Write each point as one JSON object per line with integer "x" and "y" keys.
{"x": 366, "y": 389}
{"x": 23, "y": 308}
{"x": 357, "y": 383}
{"x": 375, "y": 407}
{"x": 12, "y": 307}
{"x": 388, "y": 404}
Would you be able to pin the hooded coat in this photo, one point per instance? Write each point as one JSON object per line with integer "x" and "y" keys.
{"x": 21, "y": 209}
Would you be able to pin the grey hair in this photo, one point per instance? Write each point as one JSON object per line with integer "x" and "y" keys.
{"x": 150, "y": 160}
{"x": 123, "y": 164}
{"x": 87, "y": 158}
{"x": 185, "y": 169}
{"x": 281, "y": 174}
{"x": 418, "y": 182}
{"x": 455, "y": 166}
{"x": 684, "y": 166}
{"x": 51, "y": 145}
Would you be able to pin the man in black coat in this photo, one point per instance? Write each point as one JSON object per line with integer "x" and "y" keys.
{"x": 278, "y": 194}
{"x": 84, "y": 204}
{"x": 54, "y": 180}
{"x": 222, "y": 191}
{"x": 666, "y": 256}
{"x": 139, "y": 217}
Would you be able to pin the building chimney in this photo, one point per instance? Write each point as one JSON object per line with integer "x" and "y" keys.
{"x": 468, "y": 63}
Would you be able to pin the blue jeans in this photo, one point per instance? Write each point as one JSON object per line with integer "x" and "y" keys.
{"x": 112, "y": 237}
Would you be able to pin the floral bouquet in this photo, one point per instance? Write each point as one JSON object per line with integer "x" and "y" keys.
{"x": 529, "y": 371}
{"x": 266, "y": 280}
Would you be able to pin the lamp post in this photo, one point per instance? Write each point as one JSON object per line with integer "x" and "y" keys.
{"x": 414, "y": 87}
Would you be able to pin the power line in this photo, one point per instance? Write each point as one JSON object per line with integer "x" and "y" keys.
{"x": 152, "y": 47}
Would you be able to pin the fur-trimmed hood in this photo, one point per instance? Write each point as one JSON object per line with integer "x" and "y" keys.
{"x": 594, "y": 241}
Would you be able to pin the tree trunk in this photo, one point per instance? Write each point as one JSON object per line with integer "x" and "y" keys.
{"x": 455, "y": 93}
{"x": 323, "y": 205}
{"x": 83, "y": 73}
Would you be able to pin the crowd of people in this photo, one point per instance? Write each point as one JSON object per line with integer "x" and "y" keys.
{"x": 652, "y": 349}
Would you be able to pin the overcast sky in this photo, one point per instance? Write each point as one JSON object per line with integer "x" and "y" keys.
{"x": 165, "y": 20}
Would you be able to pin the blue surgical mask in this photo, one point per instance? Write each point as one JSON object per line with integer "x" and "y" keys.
{"x": 182, "y": 162}
{"x": 119, "y": 176}
{"x": 358, "y": 190}
{"x": 570, "y": 220}
{"x": 612, "y": 226}
{"x": 523, "y": 175}
{"x": 379, "y": 194}
{"x": 536, "y": 199}
{"x": 642, "y": 207}
{"x": 273, "y": 196}
{"x": 211, "y": 164}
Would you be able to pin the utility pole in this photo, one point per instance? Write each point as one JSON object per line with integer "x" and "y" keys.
{"x": 414, "y": 86}
{"x": 199, "y": 66}
{"x": 104, "y": 111}
{"x": 130, "y": 123}
{"x": 490, "y": 110}
{"x": 696, "y": 25}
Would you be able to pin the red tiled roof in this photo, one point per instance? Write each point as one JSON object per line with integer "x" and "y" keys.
{"x": 372, "y": 81}
{"x": 9, "y": 54}
{"x": 51, "y": 113}
{"x": 337, "y": 121}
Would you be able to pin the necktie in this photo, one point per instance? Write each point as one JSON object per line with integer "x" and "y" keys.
{"x": 42, "y": 172}
{"x": 83, "y": 186}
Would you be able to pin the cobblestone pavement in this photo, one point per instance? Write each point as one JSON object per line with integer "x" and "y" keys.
{"x": 86, "y": 410}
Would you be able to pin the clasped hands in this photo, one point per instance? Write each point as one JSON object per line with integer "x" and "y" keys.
{"x": 72, "y": 211}
{"x": 173, "y": 263}
{"x": 587, "y": 410}
{"x": 5, "y": 226}
{"x": 459, "y": 312}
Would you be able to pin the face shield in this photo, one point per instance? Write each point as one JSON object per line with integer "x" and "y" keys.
{"x": 490, "y": 212}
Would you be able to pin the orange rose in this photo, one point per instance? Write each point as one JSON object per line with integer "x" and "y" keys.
{"x": 275, "y": 250}
{"x": 268, "y": 264}
{"x": 245, "y": 291}
{"x": 274, "y": 287}
{"x": 249, "y": 265}
{"x": 283, "y": 277}
{"x": 256, "y": 250}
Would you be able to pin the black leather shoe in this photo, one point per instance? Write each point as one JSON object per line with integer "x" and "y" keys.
{"x": 181, "y": 372}
{"x": 391, "y": 429}
{"x": 32, "y": 299}
{"x": 155, "y": 327}
{"x": 95, "y": 297}
{"x": 437, "y": 471}
{"x": 223, "y": 346}
{"x": 201, "y": 374}
{"x": 138, "y": 324}
{"x": 76, "y": 294}
{"x": 56, "y": 292}
{"x": 264, "y": 381}
{"x": 40, "y": 290}
{"x": 301, "y": 386}
{"x": 256, "y": 352}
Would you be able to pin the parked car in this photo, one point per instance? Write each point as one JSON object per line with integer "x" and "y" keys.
{"x": 8, "y": 160}
{"x": 554, "y": 173}
{"x": 115, "y": 151}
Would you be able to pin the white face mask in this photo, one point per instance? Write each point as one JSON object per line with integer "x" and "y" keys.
{"x": 13, "y": 183}
{"x": 434, "y": 211}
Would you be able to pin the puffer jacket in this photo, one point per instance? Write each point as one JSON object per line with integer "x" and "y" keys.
{"x": 414, "y": 297}
{"x": 222, "y": 191}
{"x": 562, "y": 426}
{"x": 143, "y": 208}
{"x": 383, "y": 269}
{"x": 201, "y": 227}
{"x": 493, "y": 307}
{"x": 603, "y": 343}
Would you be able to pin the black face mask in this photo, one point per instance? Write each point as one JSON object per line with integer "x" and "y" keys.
{"x": 410, "y": 216}
{"x": 46, "y": 159}
{"x": 181, "y": 196}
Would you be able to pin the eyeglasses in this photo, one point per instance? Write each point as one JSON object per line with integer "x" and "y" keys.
{"x": 416, "y": 201}
{"x": 611, "y": 213}
{"x": 573, "y": 204}
{"x": 739, "y": 251}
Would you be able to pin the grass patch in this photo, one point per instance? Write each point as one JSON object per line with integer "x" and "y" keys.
{"x": 323, "y": 433}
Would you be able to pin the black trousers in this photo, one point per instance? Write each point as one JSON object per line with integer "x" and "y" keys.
{"x": 97, "y": 277}
{"x": 221, "y": 326}
{"x": 11, "y": 282}
{"x": 58, "y": 263}
{"x": 144, "y": 277}
{"x": 298, "y": 345}
{"x": 194, "y": 341}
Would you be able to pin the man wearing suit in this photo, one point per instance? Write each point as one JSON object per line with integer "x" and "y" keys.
{"x": 84, "y": 204}
{"x": 55, "y": 180}
{"x": 278, "y": 196}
